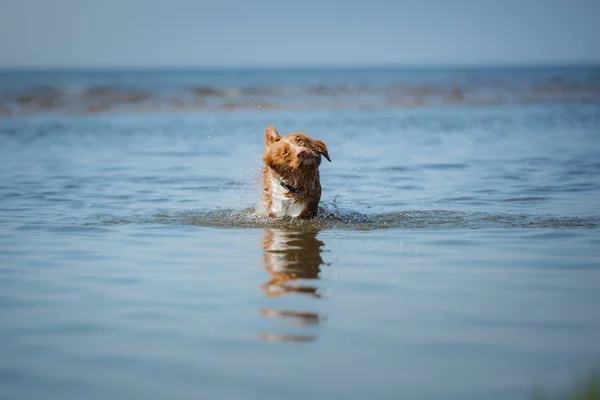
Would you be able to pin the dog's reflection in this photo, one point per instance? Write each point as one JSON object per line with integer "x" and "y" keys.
{"x": 291, "y": 256}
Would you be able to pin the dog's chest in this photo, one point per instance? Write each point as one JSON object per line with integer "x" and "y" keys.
{"x": 281, "y": 203}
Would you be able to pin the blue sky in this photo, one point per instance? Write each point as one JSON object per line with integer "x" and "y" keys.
{"x": 207, "y": 33}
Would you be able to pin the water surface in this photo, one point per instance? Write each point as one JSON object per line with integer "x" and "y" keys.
{"x": 455, "y": 255}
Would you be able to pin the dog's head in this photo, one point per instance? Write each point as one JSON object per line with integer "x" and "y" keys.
{"x": 293, "y": 151}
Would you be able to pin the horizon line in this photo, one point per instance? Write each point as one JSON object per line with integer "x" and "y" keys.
{"x": 308, "y": 67}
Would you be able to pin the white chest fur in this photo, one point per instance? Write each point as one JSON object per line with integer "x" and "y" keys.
{"x": 282, "y": 205}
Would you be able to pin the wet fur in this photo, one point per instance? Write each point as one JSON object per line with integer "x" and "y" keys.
{"x": 293, "y": 159}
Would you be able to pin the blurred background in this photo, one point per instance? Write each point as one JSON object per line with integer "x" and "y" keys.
{"x": 187, "y": 56}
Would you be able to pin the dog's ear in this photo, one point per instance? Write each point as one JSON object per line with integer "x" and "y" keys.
{"x": 322, "y": 148}
{"x": 271, "y": 135}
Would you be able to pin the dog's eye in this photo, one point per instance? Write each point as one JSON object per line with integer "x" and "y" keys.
{"x": 300, "y": 141}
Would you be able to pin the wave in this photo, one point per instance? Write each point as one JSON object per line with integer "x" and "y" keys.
{"x": 119, "y": 98}
{"x": 336, "y": 219}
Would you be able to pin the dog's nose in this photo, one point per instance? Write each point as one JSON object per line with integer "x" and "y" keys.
{"x": 301, "y": 152}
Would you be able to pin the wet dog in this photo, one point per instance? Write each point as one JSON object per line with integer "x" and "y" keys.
{"x": 291, "y": 174}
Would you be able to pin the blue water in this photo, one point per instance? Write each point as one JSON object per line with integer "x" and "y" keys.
{"x": 456, "y": 255}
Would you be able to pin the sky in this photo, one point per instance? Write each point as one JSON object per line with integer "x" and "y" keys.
{"x": 296, "y": 33}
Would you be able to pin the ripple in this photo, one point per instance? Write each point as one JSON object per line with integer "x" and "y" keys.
{"x": 444, "y": 166}
{"x": 525, "y": 199}
{"x": 460, "y": 198}
{"x": 347, "y": 220}
{"x": 410, "y": 187}
{"x": 398, "y": 168}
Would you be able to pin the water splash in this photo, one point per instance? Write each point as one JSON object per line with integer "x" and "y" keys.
{"x": 333, "y": 218}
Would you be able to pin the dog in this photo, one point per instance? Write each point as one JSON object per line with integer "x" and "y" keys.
{"x": 292, "y": 187}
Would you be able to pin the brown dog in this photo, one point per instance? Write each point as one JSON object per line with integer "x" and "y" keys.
{"x": 291, "y": 175}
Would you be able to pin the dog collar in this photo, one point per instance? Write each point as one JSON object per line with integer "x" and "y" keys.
{"x": 290, "y": 188}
